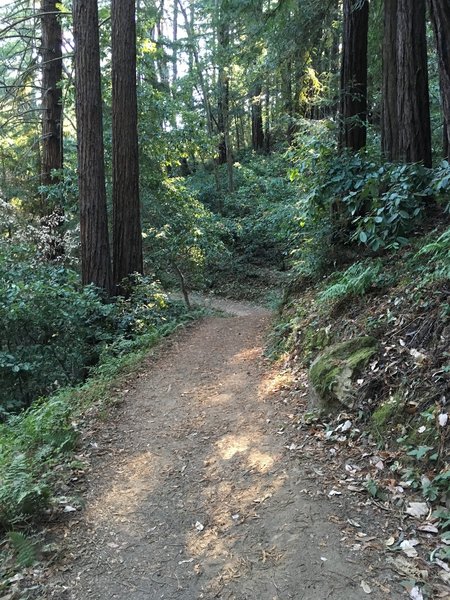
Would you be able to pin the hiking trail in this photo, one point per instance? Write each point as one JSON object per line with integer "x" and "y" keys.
{"x": 191, "y": 494}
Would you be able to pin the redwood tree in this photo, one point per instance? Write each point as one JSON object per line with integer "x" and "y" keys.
{"x": 223, "y": 92}
{"x": 127, "y": 233}
{"x": 413, "y": 104}
{"x": 51, "y": 53}
{"x": 95, "y": 253}
{"x": 257, "y": 118}
{"x": 52, "y": 124}
{"x": 440, "y": 17}
{"x": 354, "y": 74}
{"x": 389, "y": 122}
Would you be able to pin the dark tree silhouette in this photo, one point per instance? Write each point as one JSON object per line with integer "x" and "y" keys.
{"x": 354, "y": 74}
{"x": 95, "y": 252}
{"x": 127, "y": 233}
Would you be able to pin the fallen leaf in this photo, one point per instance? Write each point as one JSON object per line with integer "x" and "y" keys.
{"x": 345, "y": 426}
{"x": 419, "y": 357}
{"x": 356, "y": 488}
{"x": 416, "y": 594}
{"x": 445, "y": 577}
{"x": 353, "y": 523}
{"x": 408, "y": 568}
{"x": 417, "y": 509}
{"x": 366, "y": 587}
{"x": 390, "y": 541}
{"x": 443, "y": 419}
{"x": 442, "y": 564}
{"x": 408, "y": 548}
{"x": 428, "y": 528}
{"x": 292, "y": 447}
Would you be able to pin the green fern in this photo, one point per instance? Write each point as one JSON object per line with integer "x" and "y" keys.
{"x": 20, "y": 493}
{"x": 355, "y": 281}
{"x": 24, "y": 549}
{"x": 439, "y": 253}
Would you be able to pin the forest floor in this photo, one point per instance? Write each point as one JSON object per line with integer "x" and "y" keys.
{"x": 193, "y": 491}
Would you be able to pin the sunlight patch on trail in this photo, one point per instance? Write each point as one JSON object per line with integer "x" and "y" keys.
{"x": 231, "y": 444}
{"x": 135, "y": 480}
{"x": 247, "y": 355}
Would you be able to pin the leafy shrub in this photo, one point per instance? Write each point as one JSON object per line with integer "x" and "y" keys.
{"x": 51, "y": 330}
{"x": 440, "y": 183}
{"x": 389, "y": 205}
{"x": 357, "y": 196}
{"x": 181, "y": 235}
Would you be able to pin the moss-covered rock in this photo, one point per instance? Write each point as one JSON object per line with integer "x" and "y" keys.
{"x": 332, "y": 376}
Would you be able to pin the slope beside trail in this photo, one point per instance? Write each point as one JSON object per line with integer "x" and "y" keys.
{"x": 191, "y": 495}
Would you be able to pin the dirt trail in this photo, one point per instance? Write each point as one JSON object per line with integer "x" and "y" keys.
{"x": 193, "y": 496}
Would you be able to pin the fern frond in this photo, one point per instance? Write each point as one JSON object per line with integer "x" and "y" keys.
{"x": 24, "y": 548}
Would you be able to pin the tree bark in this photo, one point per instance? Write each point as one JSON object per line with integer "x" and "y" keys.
{"x": 223, "y": 108}
{"x": 51, "y": 52}
{"x": 127, "y": 233}
{"x": 286, "y": 97}
{"x": 52, "y": 117}
{"x": 353, "y": 133}
{"x": 440, "y": 18}
{"x": 257, "y": 119}
{"x": 389, "y": 121}
{"x": 413, "y": 105}
{"x": 223, "y": 93}
{"x": 175, "y": 42}
{"x": 95, "y": 252}
{"x": 267, "y": 133}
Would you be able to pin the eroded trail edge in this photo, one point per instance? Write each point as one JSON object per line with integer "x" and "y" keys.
{"x": 192, "y": 495}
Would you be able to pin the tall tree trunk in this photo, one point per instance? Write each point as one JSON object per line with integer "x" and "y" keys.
{"x": 267, "y": 119}
{"x": 51, "y": 51}
{"x": 257, "y": 119}
{"x": 95, "y": 252}
{"x": 127, "y": 233}
{"x": 52, "y": 125}
{"x": 413, "y": 105}
{"x": 162, "y": 59}
{"x": 389, "y": 119}
{"x": 175, "y": 42}
{"x": 223, "y": 94}
{"x": 223, "y": 108}
{"x": 446, "y": 141}
{"x": 286, "y": 97}
{"x": 440, "y": 17}
{"x": 354, "y": 75}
